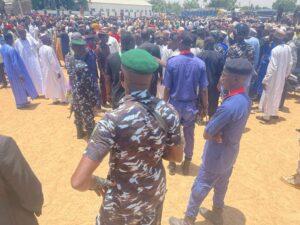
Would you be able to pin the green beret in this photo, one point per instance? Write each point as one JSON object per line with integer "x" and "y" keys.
{"x": 139, "y": 61}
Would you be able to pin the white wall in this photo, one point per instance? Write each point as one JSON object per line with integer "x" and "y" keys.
{"x": 133, "y": 10}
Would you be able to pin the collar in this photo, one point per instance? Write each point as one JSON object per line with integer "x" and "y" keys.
{"x": 235, "y": 92}
{"x": 185, "y": 52}
{"x": 143, "y": 96}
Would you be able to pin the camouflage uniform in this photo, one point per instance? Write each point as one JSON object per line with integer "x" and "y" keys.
{"x": 241, "y": 50}
{"x": 246, "y": 51}
{"x": 84, "y": 100}
{"x": 136, "y": 144}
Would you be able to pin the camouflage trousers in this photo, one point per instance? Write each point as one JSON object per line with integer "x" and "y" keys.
{"x": 152, "y": 217}
{"x": 84, "y": 116}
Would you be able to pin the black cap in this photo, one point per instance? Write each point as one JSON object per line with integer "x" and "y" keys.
{"x": 242, "y": 29}
{"x": 187, "y": 39}
{"x": 238, "y": 67}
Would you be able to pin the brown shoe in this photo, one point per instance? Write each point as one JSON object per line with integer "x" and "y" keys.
{"x": 186, "y": 221}
{"x": 263, "y": 119}
{"x": 172, "y": 168}
{"x": 215, "y": 216}
{"x": 293, "y": 181}
{"x": 80, "y": 132}
{"x": 186, "y": 166}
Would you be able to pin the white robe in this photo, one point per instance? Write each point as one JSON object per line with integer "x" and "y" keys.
{"x": 278, "y": 70}
{"x": 28, "y": 50}
{"x": 54, "y": 88}
{"x": 166, "y": 53}
{"x": 113, "y": 45}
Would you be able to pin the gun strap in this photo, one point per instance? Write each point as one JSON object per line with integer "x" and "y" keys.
{"x": 161, "y": 122}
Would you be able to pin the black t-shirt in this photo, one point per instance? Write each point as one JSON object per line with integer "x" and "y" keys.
{"x": 154, "y": 51}
{"x": 214, "y": 65}
{"x": 113, "y": 69}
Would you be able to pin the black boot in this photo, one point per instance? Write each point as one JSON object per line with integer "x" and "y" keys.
{"x": 89, "y": 133}
{"x": 186, "y": 221}
{"x": 172, "y": 168}
{"x": 215, "y": 216}
{"x": 80, "y": 133}
{"x": 186, "y": 166}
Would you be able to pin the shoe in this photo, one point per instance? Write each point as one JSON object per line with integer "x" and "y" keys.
{"x": 263, "y": 119}
{"x": 215, "y": 216}
{"x": 186, "y": 166}
{"x": 56, "y": 103}
{"x": 293, "y": 181}
{"x": 186, "y": 221}
{"x": 172, "y": 168}
{"x": 89, "y": 133}
{"x": 275, "y": 117}
{"x": 80, "y": 133}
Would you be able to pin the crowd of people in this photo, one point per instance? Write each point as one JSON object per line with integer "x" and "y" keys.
{"x": 160, "y": 76}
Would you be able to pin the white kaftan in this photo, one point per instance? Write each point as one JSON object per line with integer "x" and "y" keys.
{"x": 55, "y": 88}
{"x": 28, "y": 50}
{"x": 278, "y": 70}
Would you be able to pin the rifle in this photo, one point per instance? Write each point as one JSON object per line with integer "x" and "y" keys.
{"x": 70, "y": 100}
{"x": 71, "y": 111}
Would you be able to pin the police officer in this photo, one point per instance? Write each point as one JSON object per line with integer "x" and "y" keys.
{"x": 81, "y": 80}
{"x": 223, "y": 134}
{"x": 185, "y": 82}
{"x": 139, "y": 134}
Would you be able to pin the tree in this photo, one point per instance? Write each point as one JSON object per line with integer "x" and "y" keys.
{"x": 158, "y": 5}
{"x": 285, "y": 5}
{"x": 174, "y": 7}
{"x": 190, "y": 4}
{"x": 54, "y": 4}
{"x": 226, "y": 4}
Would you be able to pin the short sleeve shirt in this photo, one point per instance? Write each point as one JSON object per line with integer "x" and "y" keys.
{"x": 184, "y": 75}
{"x": 136, "y": 144}
{"x": 229, "y": 120}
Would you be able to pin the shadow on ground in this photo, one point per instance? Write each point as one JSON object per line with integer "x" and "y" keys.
{"x": 32, "y": 106}
{"x": 193, "y": 170}
{"x": 232, "y": 216}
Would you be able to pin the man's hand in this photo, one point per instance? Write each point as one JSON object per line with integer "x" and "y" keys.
{"x": 101, "y": 185}
{"x": 264, "y": 86}
{"x": 38, "y": 213}
{"x": 218, "y": 138}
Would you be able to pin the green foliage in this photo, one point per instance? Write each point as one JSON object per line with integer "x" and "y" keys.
{"x": 161, "y": 6}
{"x": 225, "y": 4}
{"x": 174, "y": 7}
{"x": 54, "y": 4}
{"x": 190, "y": 4}
{"x": 285, "y": 5}
{"x": 158, "y": 5}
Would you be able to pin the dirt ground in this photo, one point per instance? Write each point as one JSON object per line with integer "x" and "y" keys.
{"x": 256, "y": 196}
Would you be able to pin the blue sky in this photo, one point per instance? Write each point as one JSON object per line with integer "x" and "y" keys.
{"x": 267, "y": 3}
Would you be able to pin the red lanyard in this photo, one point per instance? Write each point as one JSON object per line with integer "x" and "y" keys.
{"x": 185, "y": 52}
{"x": 235, "y": 92}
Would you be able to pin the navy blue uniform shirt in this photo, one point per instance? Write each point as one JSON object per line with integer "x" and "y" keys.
{"x": 184, "y": 75}
{"x": 229, "y": 120}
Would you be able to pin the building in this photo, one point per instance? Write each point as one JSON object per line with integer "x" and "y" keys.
{"x": 126, "y": 8}
{"x": 17, "y": 7}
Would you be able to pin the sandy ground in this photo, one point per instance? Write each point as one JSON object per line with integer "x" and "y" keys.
{"x": 256, "y": 195}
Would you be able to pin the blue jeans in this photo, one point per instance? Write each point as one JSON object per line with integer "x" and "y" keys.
{"x": 204, "y": 182}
